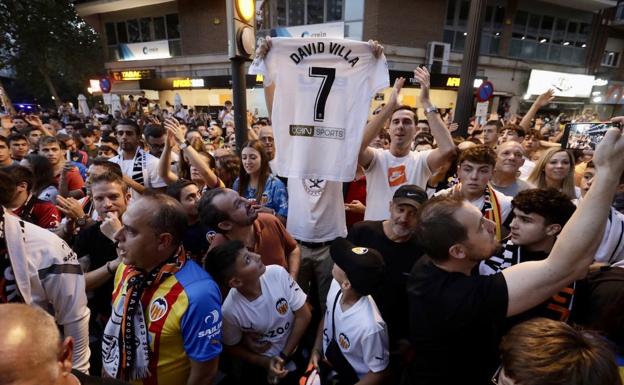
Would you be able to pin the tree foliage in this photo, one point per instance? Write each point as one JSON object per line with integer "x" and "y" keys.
{"x": 52, "y": 50}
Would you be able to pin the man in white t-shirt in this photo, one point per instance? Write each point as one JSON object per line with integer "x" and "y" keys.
{"x": 386, "y": 170}
{"x": 475, "y": 167}
{"x": 352, "y": 326}
{"x": 140, "y": 168}
{"x": 263, "y": 302}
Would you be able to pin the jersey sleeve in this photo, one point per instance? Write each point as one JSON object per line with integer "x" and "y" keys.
{"x": 380, "y": 77}
{"x": 48, "y": 216}
{"x": 294, "y": 295}
{"x": 232, "y": 332}
{"x": 375, "y": 350}
{"x": 202, "y": 322}
{"x": 377, "y": 153}
{"x": 279, "y": 198}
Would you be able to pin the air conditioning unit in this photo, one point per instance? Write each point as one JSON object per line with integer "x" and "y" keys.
{"x": 438, "y": 54}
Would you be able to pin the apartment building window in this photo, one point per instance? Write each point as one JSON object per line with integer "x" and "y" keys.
{"x": 549, "y": 38}
{"x": 457, "y": 21}
{"x": 610, "y": 59}
{"x": 288, "y": 13}
{"x": 144, "y": 29}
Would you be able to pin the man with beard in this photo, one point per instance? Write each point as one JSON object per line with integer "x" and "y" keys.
{"x": 509, "y": 160}
{"x": 233, "y": 217}
{"x": 456, "y": 318}
{"x": 97, "y": 254}
{"x": 394, "y": 239}
{"x": 140, "y": 169}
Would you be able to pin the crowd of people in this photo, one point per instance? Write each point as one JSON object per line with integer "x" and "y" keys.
{"x": 166, "y": 255}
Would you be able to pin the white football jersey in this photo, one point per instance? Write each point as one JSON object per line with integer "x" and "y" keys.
{"x": 270, "y": 315}
{"x": 321, "y": 102}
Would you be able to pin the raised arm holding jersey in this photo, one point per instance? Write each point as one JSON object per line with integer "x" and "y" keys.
{"x": 386, "y": 170}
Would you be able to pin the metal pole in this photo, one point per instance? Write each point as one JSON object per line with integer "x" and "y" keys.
{"x": 239, "y": 96}
{"x": 465, "y": 95}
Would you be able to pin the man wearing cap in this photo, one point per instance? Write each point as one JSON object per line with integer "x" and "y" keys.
{"x": 395, "y": 240}
{"x": 353, "y": 338}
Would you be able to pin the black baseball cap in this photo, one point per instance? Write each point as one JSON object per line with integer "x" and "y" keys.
{"x": 363, "y": 266}
{"x": 410, "y": 194}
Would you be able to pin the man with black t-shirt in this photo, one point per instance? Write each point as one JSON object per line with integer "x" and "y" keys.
{"x": 98, "y": 255}
{"x": 394, "y": 239}
{"x": 456, "y": 319}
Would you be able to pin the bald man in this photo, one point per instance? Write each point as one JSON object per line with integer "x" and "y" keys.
{"x": 32, "y": 350}
{"x": 268, "y": 141}
{"x": 509, "y": 159}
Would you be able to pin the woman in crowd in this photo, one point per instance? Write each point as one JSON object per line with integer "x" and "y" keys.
{"x": 255, "y": 181}
{"x": 228, "y": 166}
{"x": 44, "y": 183}
{"x": 555, "y": 169}
{"x": 195, "y": 164}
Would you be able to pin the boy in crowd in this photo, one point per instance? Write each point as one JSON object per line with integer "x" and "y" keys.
{"x": 68, "y": 178}
{"x": 26, "y": 205}
{"x": 353, "y": 337}
{"x": 539, "y": 216}
{"x": 475, "y": 167}
{"x": 264, "y": 301}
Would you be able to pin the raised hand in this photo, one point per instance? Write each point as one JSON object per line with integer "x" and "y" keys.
{"x": 377, "y": 48}
{"x": 263, "y": 48}
{"x": 546, "y": 98}
{"x": 396, "y": 90}
{"x": 424, "y": 79}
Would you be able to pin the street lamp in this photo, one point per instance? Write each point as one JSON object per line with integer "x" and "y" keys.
{"x": 241, "y": 15}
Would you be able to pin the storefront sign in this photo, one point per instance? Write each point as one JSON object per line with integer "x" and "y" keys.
{"x": 133, "y": 75}
{"x": 332, "y": 30}
{"x": 144, "y": 51}
{"x": 188, "y": 83}
{"x": 564, "y": 84}
{"x": 438, "y": 81}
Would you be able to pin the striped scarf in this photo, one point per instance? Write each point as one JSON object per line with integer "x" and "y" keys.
{"x": 125, "y": 349}
{"x": 491, "y": 210}
{"x": 138, "y": 166}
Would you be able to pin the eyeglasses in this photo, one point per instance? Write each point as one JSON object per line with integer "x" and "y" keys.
{"x": 501, "y": 379}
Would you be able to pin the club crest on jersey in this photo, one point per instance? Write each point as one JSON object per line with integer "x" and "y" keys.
{"x": 158, "y": 309}
{"x": 314, "y": 187}
{"x": 343, "y": 341}
{"x": 359, "y": 250}
{"x": 281, "y": 306}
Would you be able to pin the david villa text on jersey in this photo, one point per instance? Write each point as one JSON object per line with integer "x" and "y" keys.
{"x": 319, "y": 47}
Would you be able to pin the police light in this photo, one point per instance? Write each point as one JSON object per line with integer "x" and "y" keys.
{"x": 241, "y": 16}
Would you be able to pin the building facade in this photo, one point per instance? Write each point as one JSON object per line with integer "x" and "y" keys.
{"x": 169, "y": 47}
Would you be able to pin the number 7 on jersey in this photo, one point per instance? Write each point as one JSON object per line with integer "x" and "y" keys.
{"x": 328, "y": 75}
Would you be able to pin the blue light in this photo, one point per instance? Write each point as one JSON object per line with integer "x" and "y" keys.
{"x": 21, "y": 106}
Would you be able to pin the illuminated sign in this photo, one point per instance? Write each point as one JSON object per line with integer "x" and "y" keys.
{"x": 133, "y": 75}
{"x": 452, "y": 82}
{"x": 188, "y": 83}
{"x": 564, "y": 84}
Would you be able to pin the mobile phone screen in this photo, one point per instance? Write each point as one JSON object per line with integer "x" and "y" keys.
{"x": 585, "y": 136}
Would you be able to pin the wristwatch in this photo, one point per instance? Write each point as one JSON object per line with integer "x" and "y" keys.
{"x": 80, "y": 222}
{"x": 431, "y": 109}
{"x": 184, "y": 145}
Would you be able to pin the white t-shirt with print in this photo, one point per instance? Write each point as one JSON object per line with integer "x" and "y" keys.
{"x": 315, "y": 210}
{"x": 386, "y": 173}
{"x": 361, "y": 333}
{"x": 324, "y": 87}
{"x": 271, "y": 314}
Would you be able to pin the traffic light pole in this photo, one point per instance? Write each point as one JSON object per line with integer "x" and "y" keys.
{"x": 239, "y": 100}
{"x": 465, "y": 95}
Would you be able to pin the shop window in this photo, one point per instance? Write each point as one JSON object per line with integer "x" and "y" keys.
{"x": 450, "y": 13}
{"x": 146, "y": 34}
{"x": 334, "y": 10}
{"x": 122, "y": 34}
{"x": 173, "y": 27}
{"x": 111, "y": 36}
{"x": 296, "y": 12}
{"x": 159, "y": 28}
{"x": 134, "y": 35}
{"x": 315, "y": 11}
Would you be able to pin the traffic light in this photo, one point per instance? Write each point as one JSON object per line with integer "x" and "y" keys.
{"x": 241, "y": 15}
